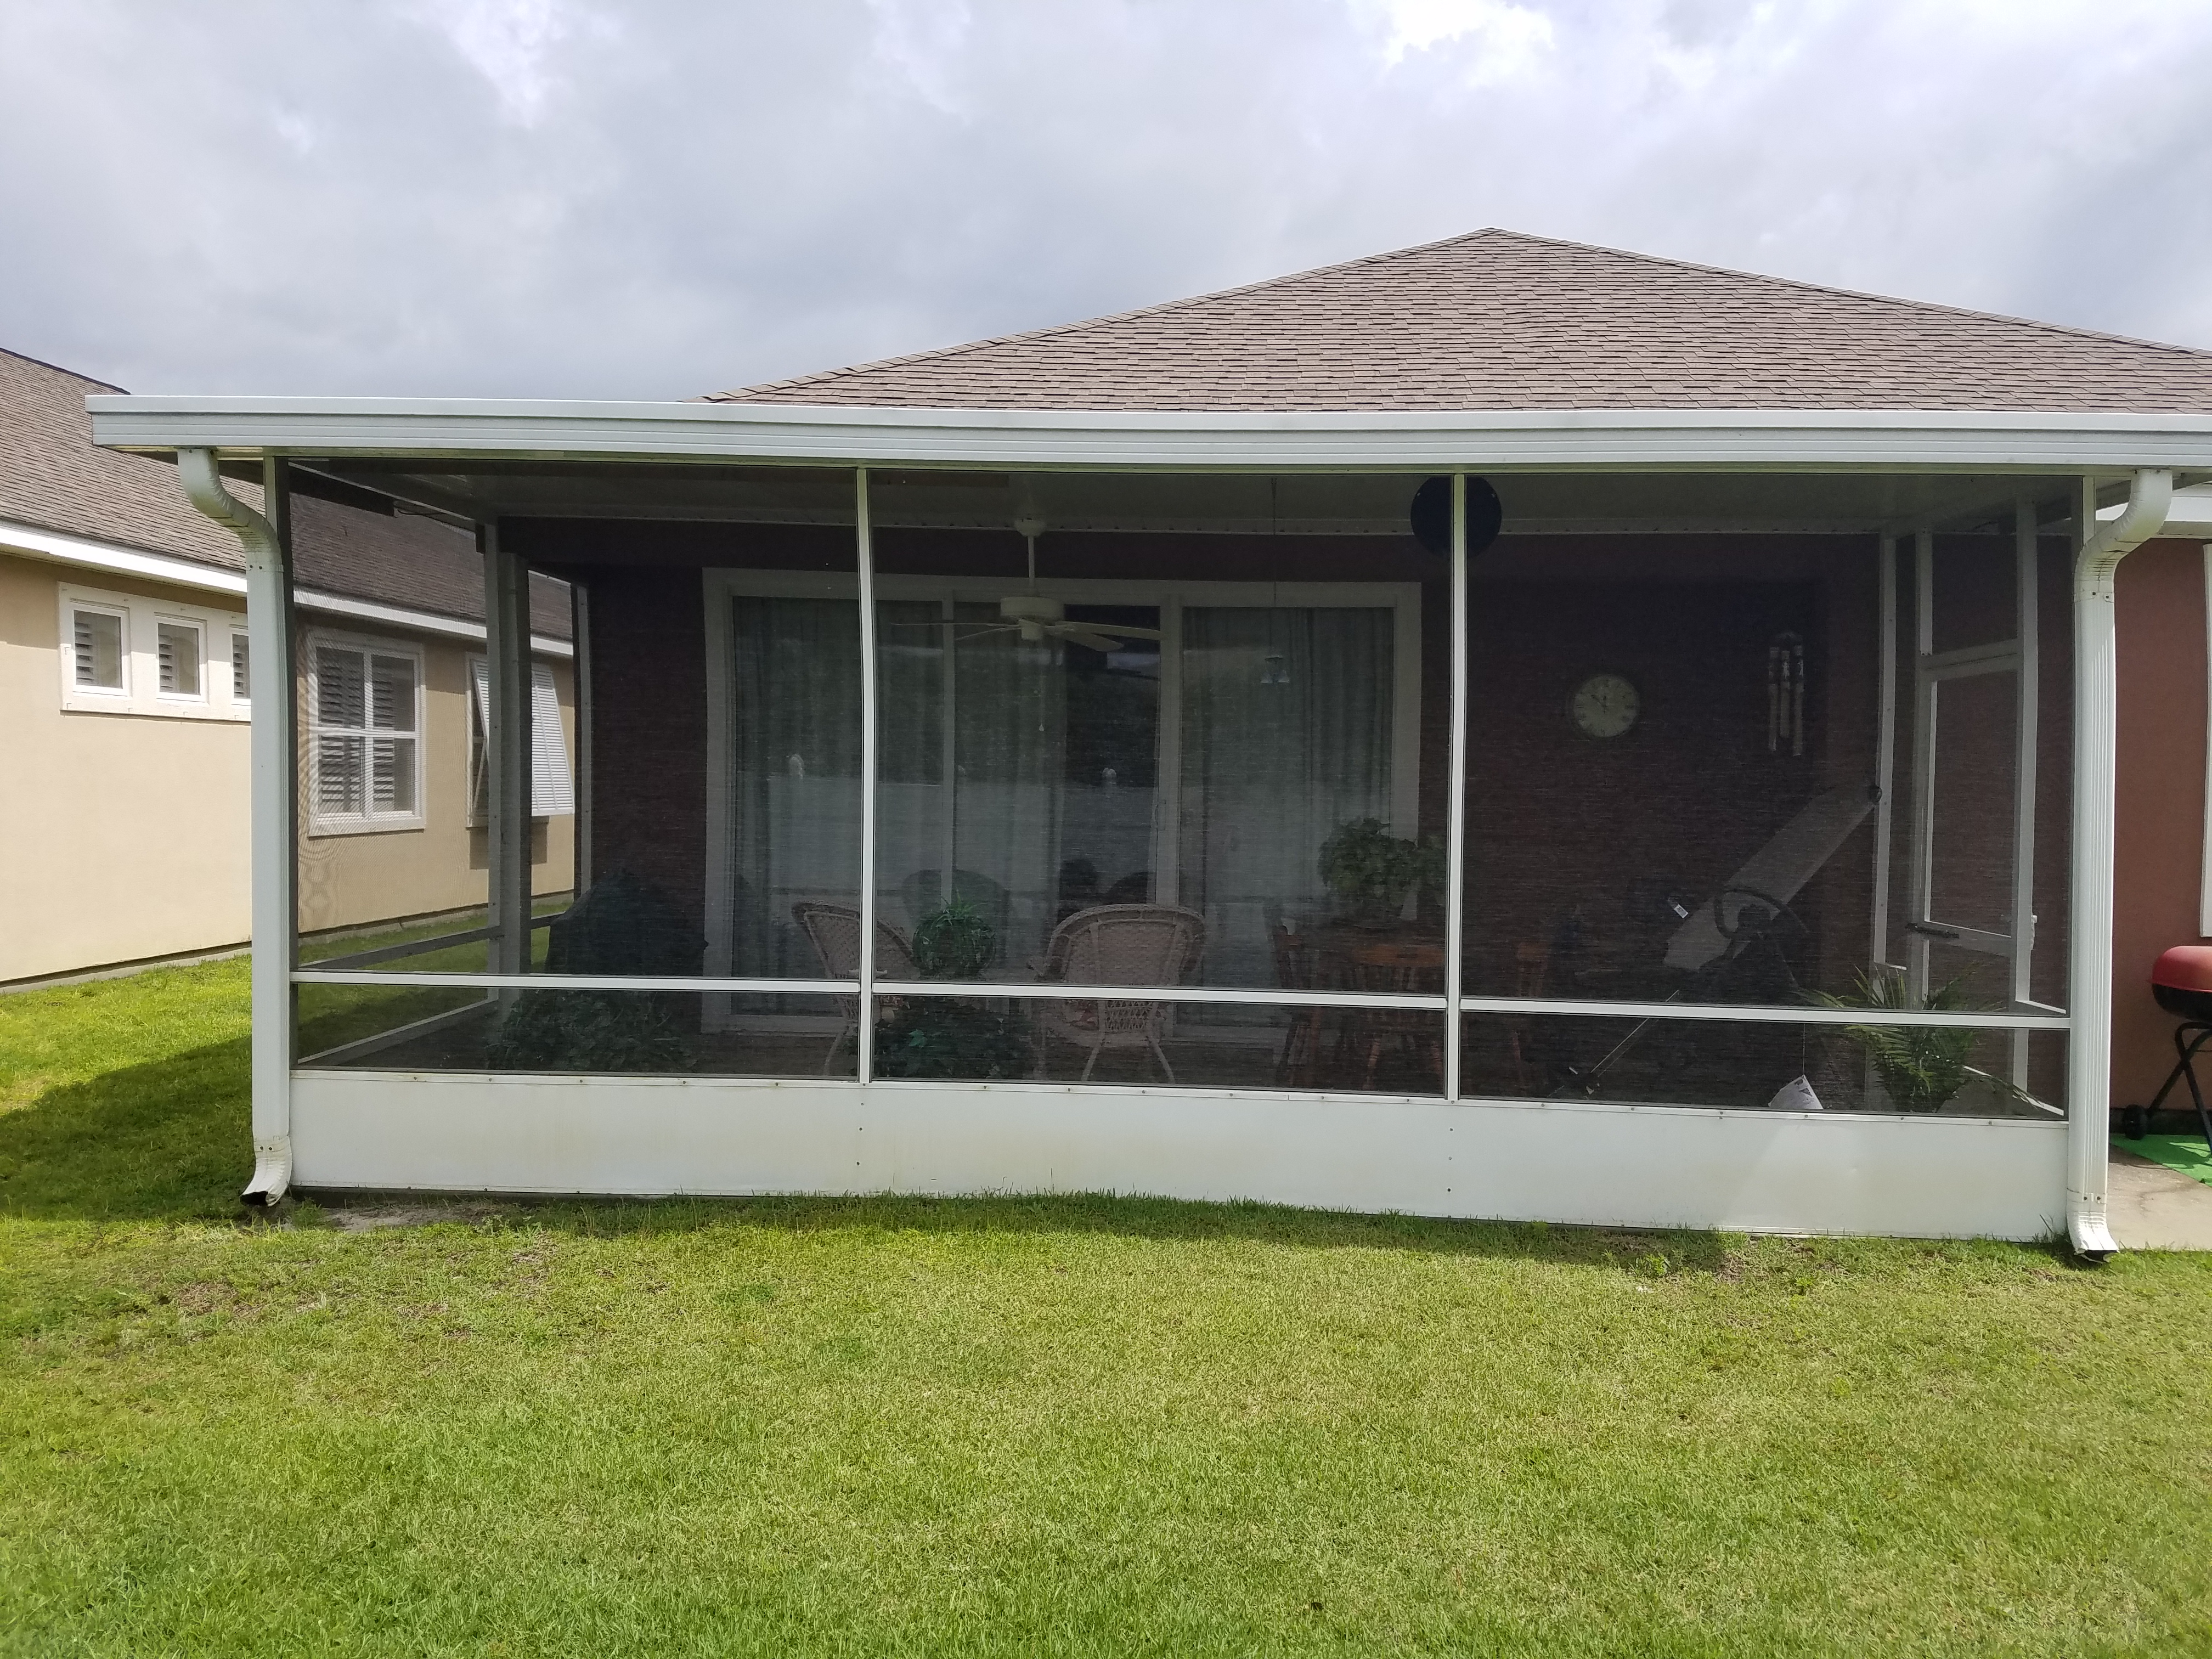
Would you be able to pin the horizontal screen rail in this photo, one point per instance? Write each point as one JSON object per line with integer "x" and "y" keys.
{"x": 1265, "y": 997}
{"x": 844, "y": 988}
{"x": 1768, "y": 1014}
{"x": 417, "y": 947}
{"x": 1053, "y": 991}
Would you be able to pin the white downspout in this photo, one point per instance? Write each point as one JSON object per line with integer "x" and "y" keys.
{"x": 2096, "y": 727}
{"x": 269, "y": 669}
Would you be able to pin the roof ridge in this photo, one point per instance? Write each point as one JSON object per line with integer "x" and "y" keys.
{"x": 1081, "y": 323}
{"x": 1802, "y": 286}
{"x": 832, "y": 377}
{"x": 26, "y": 357}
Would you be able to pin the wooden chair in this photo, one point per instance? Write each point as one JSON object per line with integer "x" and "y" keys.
{"x": 1397, "y": 970}
{"x": 833, "y": 931}
{"x": 1116, "y": 944}
{"x": 1532, "y": 961}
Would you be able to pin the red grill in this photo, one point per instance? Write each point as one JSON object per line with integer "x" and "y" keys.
{"x": 2182, "y": 982}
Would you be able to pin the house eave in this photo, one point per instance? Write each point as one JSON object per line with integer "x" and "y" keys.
{"x": 1843, "y": 440}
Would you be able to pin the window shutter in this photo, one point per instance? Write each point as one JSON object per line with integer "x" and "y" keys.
{"x": 177, "y": 648}
{"x": 341, "y": 696}
{"x": 241, "y": 678}
{"x": 479, "y": 739}
{"x": 338, "y": 776}
{"x": 552, "y": 791}
{"x": 98, "y": 638}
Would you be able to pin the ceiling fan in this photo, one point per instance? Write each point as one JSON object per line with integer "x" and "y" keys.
{"x": 1037, "y": 618}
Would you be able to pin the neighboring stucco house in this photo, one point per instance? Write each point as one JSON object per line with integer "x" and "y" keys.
{"x": 124, "y": 710}
{"x": 1501, "y": 728}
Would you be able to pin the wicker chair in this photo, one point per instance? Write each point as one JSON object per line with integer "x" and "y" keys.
{"x": 833, "y": 931}
{"x": 1117, "y": 945}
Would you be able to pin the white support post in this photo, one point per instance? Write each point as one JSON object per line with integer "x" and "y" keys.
{"x": 507, "y": 721}
{"x": 1885, "y": 764}
{"x": 273, "y": 751}
{"x": 1456, "y": 811}
{"x": 2096, "y": 738}
{"x": 2025, "y": 737}
{"x": 863, "y": 554}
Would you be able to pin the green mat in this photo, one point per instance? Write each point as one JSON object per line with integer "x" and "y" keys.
{"x": 2184, "y": 1153}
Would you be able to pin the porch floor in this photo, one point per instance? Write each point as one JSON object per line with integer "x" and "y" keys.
{"x": 2151, "y": 1207}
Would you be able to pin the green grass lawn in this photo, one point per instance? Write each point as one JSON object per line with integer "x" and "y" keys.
{"x": 1081, "y": 1425}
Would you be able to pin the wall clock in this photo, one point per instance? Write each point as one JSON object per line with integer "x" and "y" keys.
{"x": 1604, "y": 706}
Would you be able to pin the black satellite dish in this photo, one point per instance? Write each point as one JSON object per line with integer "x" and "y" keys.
{"x": 1432, "y": 516}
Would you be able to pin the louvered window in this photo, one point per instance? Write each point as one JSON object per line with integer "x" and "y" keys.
{"x": 241, "y": 660}
{"x": 552, "y": 785}
{"x": 365, "y": 745}
{"x": 97, "y": 645}
{"x": 177, "y": 656}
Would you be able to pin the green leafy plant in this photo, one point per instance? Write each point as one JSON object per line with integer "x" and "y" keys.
{"x": 1372, "y": 870}
{"x": 954, "y": 942}
{"x": 1921, "y": 1067}
{"x": 949, "y": 1038}
{"x": 588, "y": 1031}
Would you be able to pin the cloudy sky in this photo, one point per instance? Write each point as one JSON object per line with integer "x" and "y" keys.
{"x": 646, "y": 198}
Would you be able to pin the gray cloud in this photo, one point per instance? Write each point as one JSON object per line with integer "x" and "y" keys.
{"x": 588, "y": 198}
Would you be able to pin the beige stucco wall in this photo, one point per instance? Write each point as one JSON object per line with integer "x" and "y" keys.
{"x": 124, "y": 836}
{"x": 121, "y": 835}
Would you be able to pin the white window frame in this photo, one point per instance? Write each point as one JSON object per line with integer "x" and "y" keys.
{"x": 542, "y": 679}
{"x": 141, "y": 693}
{"x": 198, "y": 624}
{"x": 370, "y": 822}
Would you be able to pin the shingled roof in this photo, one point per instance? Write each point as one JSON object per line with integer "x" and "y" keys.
{"x": 1499, "y": 320}
{"x": 53, "y": 477}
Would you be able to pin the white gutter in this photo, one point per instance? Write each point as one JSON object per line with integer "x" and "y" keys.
{"x": 1909, "y": 440}
{"x": 268, "y": 668}
{"x": 2096, "y": 706}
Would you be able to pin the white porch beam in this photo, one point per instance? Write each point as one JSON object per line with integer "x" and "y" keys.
{"x": 1700, "y": 440}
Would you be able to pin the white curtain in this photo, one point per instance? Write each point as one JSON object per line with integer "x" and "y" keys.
{"x": 794, "y": 775}
{"x": 1285, "y": 736}
{"x": 990, "y": 832}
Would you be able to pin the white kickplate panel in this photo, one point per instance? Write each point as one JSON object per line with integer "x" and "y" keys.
{"x": 1571, "y": 1163}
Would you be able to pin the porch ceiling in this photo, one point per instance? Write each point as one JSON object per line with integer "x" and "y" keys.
{"x": 1366, "y": 503}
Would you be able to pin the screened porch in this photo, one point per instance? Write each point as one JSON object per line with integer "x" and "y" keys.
{"x": 1745, "y": 793}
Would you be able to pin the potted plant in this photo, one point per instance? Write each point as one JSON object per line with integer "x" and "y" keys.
{"x": 1373, "y": 871}
{"x": 952, "y": 1036}
{"x": 1921, "y": 1067}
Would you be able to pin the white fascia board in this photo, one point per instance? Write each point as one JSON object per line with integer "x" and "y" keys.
{"x": 82, "y": 550}
{"x": 1524, "y": 439}
{"x": 421, "y": 622}
{"x": 60, "y": 549}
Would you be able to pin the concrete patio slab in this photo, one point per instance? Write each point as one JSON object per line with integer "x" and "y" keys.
{"x": 2152, "y": 1207}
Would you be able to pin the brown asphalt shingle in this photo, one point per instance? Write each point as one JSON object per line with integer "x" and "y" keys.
{"x": 53, "y": 477}
{"x": 1499, "y": 320}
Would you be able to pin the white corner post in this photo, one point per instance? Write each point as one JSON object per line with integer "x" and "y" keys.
{"x": 2096, "y": 734}
{"x": 506, "y": 761}
{"x": 273, "y": 750}
{"x": 1455, "y": 807}
{"x": 864, "y": 555}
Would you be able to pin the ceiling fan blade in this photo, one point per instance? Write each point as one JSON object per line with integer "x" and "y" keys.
{"x": 1076, "y": 634}
{"x": 1126, "y": 633}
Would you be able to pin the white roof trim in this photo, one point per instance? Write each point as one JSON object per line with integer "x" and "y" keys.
{"x": 424, "y": 621}
{"x": 64, "y": 548}
{"x": 1532, "y": 440}
{"x": 83, "y": 551}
